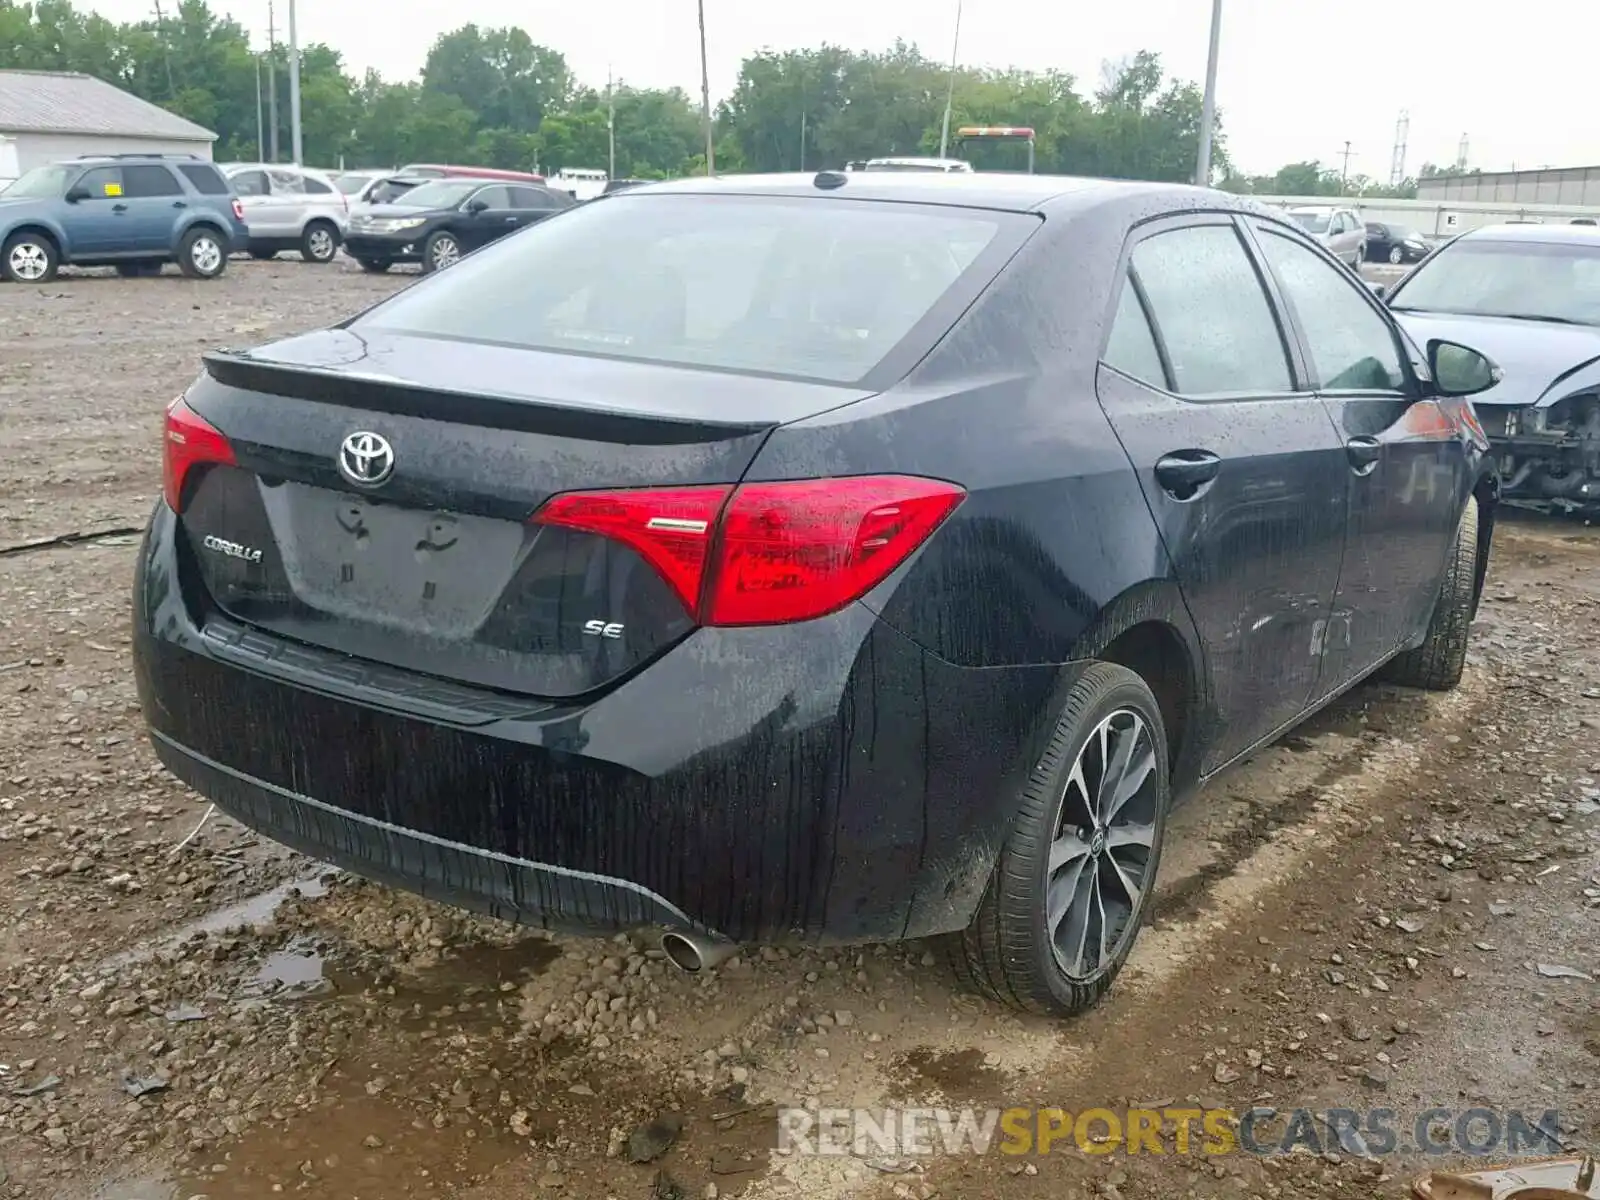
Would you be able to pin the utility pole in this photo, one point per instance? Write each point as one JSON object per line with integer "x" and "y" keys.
{"x": 1344, "y": 171}
{"x": 950, "y": 86}
{"x": 166, "y": 53}
{"x": 272, "y": 78}
{"x": 294, "y": 87}
{"x": 705, "y": 94}
{"x": 1208, "y": 107}
{"x": 611, "y": 128}
{"x": 802, "y": 139}
{"x": 261, "y": 149}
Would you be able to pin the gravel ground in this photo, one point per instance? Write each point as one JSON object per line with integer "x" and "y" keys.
{"x": 1357, "y": 917}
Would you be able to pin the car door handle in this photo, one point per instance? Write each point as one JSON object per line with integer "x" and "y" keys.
{"x": 119, "y": 208}
{"x": 1363, "y": 453}
{"x": 1184, "y": 472}
{"x": 511, "y": 220}
{"x": 180, "y": 204}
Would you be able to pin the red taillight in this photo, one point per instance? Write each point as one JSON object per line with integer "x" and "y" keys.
{"x": 238, "y": 209}
{"x": 767, "y": 553}
{"x": 189, "y": 442}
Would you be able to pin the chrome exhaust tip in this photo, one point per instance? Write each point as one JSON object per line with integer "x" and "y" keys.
{"x": 693, "y": 953}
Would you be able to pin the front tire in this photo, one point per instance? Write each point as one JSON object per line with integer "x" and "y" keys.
{"x": 1438, "y": 663}
{"x": 201, "y": 254}
{"x": 29, "y": 258}
{"x": 320, "y": 242}
{"x": 441, "y": 250}
{"x": 1072, "y": 883}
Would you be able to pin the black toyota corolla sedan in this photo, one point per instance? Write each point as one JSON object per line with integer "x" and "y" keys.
{"x": 829, "y": 558}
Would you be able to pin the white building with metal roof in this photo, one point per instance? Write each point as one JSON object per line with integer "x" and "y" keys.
{"x": 47, "y": 116}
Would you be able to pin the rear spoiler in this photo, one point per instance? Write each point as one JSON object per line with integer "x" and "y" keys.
{"x": 384, "y": 394}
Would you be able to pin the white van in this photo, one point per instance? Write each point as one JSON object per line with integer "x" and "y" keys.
{"x": 583, "y": 183}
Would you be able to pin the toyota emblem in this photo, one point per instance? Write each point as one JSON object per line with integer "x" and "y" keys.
{"x": 366, "y": 459}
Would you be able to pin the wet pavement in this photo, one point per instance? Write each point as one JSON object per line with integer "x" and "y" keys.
{"x": 1357, "y": 917}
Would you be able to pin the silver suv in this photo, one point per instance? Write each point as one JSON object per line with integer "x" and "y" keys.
{"x": 1339, "y": 229}
{"x": 290, "y": 208}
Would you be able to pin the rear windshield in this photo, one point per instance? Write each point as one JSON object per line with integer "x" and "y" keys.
{"x": 813, "y": 288}
{"x": 1312, "y": 222}
{"x": 350, "y": 185}
{"x": 390, "y": 191}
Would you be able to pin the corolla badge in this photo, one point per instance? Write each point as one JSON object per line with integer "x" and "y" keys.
{"x": 248, "y": 554}
{"x": 366, "y": 459}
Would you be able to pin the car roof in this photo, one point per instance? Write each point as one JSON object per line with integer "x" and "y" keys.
{"x": 1565, "y": 235}
{"x": 994, "y": 190}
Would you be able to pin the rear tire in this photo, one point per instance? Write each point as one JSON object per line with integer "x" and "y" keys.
{"x": 1028, "y": 944}
{"x": 1438, "y": 663}
{"x": 1396, "y": 255}
{"x": 29, "y": 257}
{"x": 376, "y": 265}
{"x": 320, "y": 242}
{"x": 201, "y": 254}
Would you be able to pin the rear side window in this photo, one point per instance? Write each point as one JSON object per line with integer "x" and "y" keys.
{"x": 1206, "y": 299}
{"x": 1131, "y": 348}
{"x": 208, "y": 181}
{"x": 818, "y": 289}
{"x": 496, "y": 198}
{"x": 287, "y": 183}
{"x": 148, "y": 180}
{"x": 536, "y": 197}
{"x": 315, "y": 187}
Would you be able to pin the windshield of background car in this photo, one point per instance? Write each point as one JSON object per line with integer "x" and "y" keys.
{"x": 806, "y": 288}
{"x": 442, "y": 193}
{"x": 40, "y": 182}
{"x": 390, "y": 191}
{"x": 1312, "y": 222}
{"x": 1507, "y": 279}
{"x": 1404, "y": 233}
{"x": 350, "y": 185}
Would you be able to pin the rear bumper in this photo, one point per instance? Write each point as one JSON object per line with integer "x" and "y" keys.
{"x": 829, "y": 782}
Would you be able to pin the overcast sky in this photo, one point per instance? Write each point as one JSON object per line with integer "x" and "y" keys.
{"x": 1297, "y": 80}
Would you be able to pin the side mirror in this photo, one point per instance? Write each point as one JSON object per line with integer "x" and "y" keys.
{"x": 1459, "y": 370}
{"x": 477, "y": 206}
{"x": 74, "y": 195}
{"x": 1378, "y": 289}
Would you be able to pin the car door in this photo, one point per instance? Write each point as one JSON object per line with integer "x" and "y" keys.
{"x": 153, "y": 201}
{"x": 534, "y": 204}
{"x": 1406, "y": 464}
{"x": 1239, "y": 464}
{"x": 94, "y": 220}
{"x": 255, "y": 198}
{"x": 286, "y": 207}
{"x": 488, "y": 215}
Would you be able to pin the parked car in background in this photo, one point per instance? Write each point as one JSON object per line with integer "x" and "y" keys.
{"x": 385, "y": 189}
{"x": 1339, "y": 229}
{"x": 729, "y": 557}
{"x": 621, "y": 185}
{"x": 130, "y": 211}
{"x": 1529, "y": 295}
{"x": 442, "y": 219}
{"x": 444, "y": 171}
{"x": 290, "y": 208}
{"x": 353, "y": 183}
{"x": 1395, "y": 243}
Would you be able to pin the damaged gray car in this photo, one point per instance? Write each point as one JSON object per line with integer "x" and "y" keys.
{"x": 1529, "y": 297}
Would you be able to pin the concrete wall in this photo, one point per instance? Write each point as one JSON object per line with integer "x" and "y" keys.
{"x": 1445, "y": 218}
{"x": 41, "y": 149}
{"x": 1563, "y": 185}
